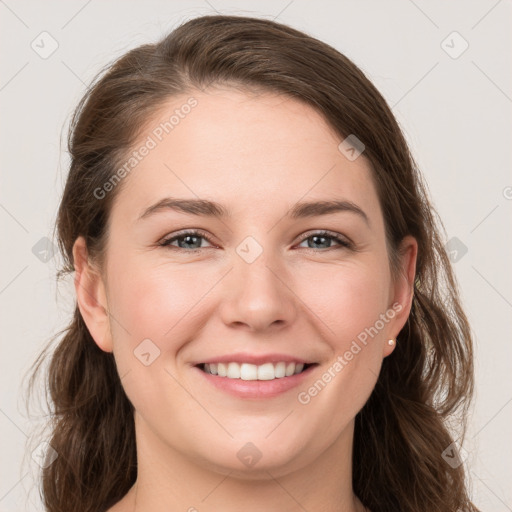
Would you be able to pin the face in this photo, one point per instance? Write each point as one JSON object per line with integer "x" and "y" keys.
{"x": 256, "y": 292}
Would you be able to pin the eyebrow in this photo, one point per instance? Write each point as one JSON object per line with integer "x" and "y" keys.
{"x": 214, "y": 209}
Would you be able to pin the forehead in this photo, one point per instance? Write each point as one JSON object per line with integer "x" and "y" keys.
{"x": 243, "y": 150}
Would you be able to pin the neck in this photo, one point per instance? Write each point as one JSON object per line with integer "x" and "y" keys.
{"x": 169, "y": 480}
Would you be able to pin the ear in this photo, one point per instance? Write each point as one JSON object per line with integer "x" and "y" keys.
{"x": 91, "y": 296}
{"x": 402, "y": 292}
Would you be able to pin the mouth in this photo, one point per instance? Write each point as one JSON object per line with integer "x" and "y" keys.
{"x": 252, "y": 372}
{"x": 255, "y": 381}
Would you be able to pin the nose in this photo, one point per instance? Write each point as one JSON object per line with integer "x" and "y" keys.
{"x": 258, "y": 296}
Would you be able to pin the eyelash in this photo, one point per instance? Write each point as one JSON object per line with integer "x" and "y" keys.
{"x": 343, "y": 244}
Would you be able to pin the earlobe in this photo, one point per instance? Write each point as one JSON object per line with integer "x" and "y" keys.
{"x": 389, "y": 347}
{"x": 91, "y": 296}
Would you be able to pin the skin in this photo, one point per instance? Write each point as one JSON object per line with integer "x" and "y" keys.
{"x": 257, "y": 154}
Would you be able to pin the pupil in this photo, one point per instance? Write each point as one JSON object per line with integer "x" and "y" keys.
{"x": 188, "y": 237}
{"x": 316, "y": 237}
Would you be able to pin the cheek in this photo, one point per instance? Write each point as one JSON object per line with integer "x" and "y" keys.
{"x": 346, "y": 298}
{"x": 153, "y": 300}
{"x": 154, "y": 309}
{"x": 351, "y": 302}
{"x": 349, "y": 299}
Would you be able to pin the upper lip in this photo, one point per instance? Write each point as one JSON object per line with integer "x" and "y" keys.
{"x": 257, "y": 359}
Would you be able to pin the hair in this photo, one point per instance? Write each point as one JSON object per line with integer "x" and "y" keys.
{"x": 403, "y": 429}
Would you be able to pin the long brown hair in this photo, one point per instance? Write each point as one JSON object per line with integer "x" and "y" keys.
{"x": 401, "y": 432}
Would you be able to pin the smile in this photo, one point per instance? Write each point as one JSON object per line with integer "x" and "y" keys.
{"x": 248, "y": 371}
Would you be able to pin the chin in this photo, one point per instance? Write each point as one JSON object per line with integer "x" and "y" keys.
{"x": 254, "y": 457}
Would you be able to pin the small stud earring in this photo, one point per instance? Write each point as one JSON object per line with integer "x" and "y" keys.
{"x": 391, "y": 342}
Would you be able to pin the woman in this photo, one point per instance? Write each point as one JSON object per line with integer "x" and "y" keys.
{"x": 266, "y": 316}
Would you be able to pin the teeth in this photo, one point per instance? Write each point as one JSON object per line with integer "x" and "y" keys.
{"x": 222, "y": 370}
{"x": 265, "y": 371}
{"x": 233, "y": 371}
{"x": 290, "y": 369}
{"x": 280, "y": 370}
{"x": 246, "y": 371}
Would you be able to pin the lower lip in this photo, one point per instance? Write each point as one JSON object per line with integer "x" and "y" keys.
{"x": 256, "y": 388}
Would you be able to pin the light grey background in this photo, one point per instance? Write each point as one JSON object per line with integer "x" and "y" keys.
{"x": 456, "y": 114}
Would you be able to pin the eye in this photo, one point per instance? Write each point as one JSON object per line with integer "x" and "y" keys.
{"x": 190, "y": 241}
{"x": 322, "y": 238}
{"x": 186, "y": 240}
